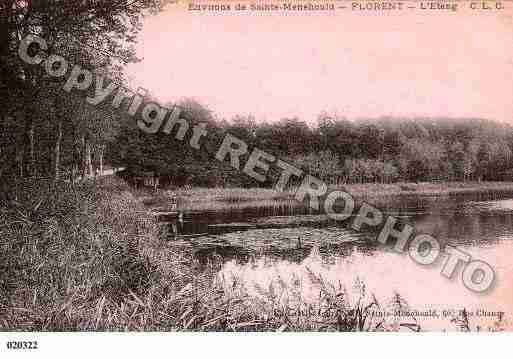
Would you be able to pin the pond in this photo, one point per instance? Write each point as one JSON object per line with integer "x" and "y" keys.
{"x": 259, "y": 245}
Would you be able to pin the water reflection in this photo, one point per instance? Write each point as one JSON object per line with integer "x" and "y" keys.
{"x": 386, "y": 274}
{"x": 256, "y": 248}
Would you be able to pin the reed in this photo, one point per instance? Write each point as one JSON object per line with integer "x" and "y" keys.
{"x": 88, "y": 258}
{"x": 376, "y": 190}
{"x": 219, "y": 199}
{"x": 226, "y": 199}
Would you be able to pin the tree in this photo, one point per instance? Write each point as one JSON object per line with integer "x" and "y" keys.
{"x": 100, "y": 34}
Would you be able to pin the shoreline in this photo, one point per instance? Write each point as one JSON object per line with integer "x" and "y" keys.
{"x": 432, "y": 189}
{"x": 218, "y": 198}
{"x": 117, "y": 264}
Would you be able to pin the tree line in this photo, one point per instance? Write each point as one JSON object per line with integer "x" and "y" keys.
{"x": 44, "y": 132}
{"x": 335, "y": 149}
{"x": 48, "y": 133}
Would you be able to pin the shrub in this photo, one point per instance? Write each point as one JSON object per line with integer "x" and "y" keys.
{"x": 61, "y": 242}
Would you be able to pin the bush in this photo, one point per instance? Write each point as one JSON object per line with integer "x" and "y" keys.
{"x": 60, "y": 243}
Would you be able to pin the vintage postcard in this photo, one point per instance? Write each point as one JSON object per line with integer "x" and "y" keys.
{"x": 255, "y": 166}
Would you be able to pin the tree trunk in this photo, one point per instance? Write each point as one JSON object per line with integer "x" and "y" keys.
{"x": 89, "y": 162}
{"x": 20, "y": 161}
{"x": 76, "y": 158}
{"x": 58, "y": 152}
{"x": 100, "y": 159}
{"x": 32, "y": 166}
{"x": 83, "y": 157}
{"x": 49, "y": 149}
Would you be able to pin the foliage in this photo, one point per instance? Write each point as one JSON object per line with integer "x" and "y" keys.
{"x": 337, "y": 151}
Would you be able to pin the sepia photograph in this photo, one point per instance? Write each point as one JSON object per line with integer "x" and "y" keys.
{"x": 255, "y": 166}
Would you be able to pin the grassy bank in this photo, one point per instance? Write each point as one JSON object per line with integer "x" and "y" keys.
{"x": 427, "y": 188}
{"x": 76, "y": 258}
{"x": 225, "y": 199}
{"x": 214, "y": 199}
{"x": 88, "y": 258}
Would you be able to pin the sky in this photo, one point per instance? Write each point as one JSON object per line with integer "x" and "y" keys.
{"x": 357, "y": 64}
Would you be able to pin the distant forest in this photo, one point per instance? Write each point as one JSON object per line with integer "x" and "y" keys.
{"x": 335, "y": 149}
{"x": 48, "y": 133}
